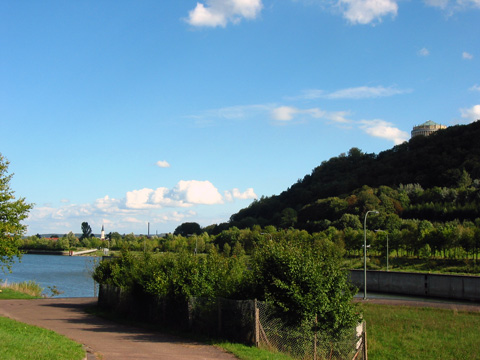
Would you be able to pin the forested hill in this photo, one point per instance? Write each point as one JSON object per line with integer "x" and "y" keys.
{"x": 447, "y": 159}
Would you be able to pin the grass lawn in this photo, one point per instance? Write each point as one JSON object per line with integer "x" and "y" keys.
{"x": 21, "y": 341}
{"x": 401, "y": 332}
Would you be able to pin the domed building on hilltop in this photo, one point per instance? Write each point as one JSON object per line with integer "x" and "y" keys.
{"x": 426, "y": 128}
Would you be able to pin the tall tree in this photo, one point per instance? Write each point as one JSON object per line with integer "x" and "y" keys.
{"x": 86, "y": 230}
{"x": 12, "y": 212}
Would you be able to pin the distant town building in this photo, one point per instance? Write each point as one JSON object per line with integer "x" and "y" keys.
{"x": 426, "y": 128}
{"x": 102, "y": 235}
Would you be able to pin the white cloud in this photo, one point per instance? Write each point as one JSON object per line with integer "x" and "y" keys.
{"x": 367, "y": 11}
{"x": 288, "y": 113}
{"x": 365, "y": 92}
{"x": 359, "y": 92}
{"x": 475, "y": 88}
{"x": 220, "y": 12}
{"x": 423, "y": 52}
{"x": 467, "y": 56}
{"x": 236, "y": 194}
{"x": 138, "y": 207}
{"x": 284, "y": 113}
{"x": 163, "y": 164}
{"x": 184, "y": 194}
{"x": 384, "y": 129}
{"x": 472, "y": 114}
{"x": 338, "y": 116}
{"x": 451, "y": 6}
{"x": 197, "y": 192}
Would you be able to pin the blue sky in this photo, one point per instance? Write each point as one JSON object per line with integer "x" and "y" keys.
{"x": 121, "y": 113}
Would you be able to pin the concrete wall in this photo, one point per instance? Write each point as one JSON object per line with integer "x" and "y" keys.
{"x": 456, "y": 287}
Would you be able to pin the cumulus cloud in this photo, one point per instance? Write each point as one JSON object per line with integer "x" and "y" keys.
{"x": 367, "y": 11}
{"x": 467, "y": 56}
{"x": 472, "y": 114}
{"x": 163, "y": 164}
{"x": 161, "y": 205}
{"x": 236, "y": 194}
{"x": 423, "y": 52}
{"x": 184, "y": 194}
{"x": 384, "y": 129}
{"x": 221, "y": 12}
{"x": 197, "y": 192}
{"x": 475, "y": 88}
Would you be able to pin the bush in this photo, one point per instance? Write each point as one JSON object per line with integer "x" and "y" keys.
{"x": 306, "y": 282}
{"x": 298, "y": 273}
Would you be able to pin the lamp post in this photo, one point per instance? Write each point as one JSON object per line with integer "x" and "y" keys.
{"x": 365, "y": 253}
{"x": 386, "y": 232}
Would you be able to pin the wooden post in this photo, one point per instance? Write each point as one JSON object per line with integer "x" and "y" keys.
{"x": 365, "y": 353}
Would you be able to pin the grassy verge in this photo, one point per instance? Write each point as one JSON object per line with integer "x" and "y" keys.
{"x": 7, "y": 293}
{"x": 20, "y": 341}
{"x": 24, "y": 290}
{"x": 245, "y": 352}
{"x": 398, "y": 332}
{"x": 412, "y": 264}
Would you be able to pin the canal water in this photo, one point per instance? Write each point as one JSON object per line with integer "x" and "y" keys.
{"x": 70, "y": 275}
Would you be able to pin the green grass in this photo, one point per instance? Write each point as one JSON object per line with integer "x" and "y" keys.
{"x": 245, "y": 352}
{"x": 21, "y": 341}
{"x": 7, "y": 293}
{"x": 401, "y": 332}
{"x": 23, "y": 290}
{"x": 413, "y": 264}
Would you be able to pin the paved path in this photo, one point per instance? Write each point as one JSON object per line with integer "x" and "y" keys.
{"x": 104, "y": 339}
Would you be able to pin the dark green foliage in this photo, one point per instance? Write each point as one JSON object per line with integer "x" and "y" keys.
{"x": 305, "y": 280}
{"x": 86, "y": 231}
{"x": 188, "y": 228}
{"x": 12, "y": 212}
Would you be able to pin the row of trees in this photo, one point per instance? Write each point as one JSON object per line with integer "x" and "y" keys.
{"x": 418, "y": 238}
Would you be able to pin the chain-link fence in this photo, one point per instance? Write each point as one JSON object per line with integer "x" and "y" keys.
{"x": 303, "y": 342}
{"x": 246, "y": 321}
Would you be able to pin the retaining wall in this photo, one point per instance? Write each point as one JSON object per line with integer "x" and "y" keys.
{"x": 455, "y": 287}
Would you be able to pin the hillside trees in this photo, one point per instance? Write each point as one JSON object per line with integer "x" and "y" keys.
{"x": 12, "y": 212}
{"x": 447, "y": 159}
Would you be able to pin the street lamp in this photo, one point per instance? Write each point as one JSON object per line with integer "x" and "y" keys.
{"x": 365, "y": 253}
{"x": 386, "y": 232}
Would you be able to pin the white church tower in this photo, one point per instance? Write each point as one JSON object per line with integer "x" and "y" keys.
{"x": 102, "y": 234}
